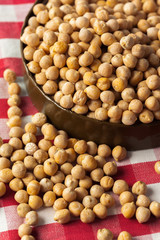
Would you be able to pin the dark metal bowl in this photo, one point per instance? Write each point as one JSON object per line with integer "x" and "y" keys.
{"x": 138, "y": 136}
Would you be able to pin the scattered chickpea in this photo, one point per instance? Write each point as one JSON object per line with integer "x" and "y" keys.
{"x": 128, "y": 210}
{"x": 155, "y": 208}
{"x": 124, "y": 235}
{"x": 126, "y": 197}
{"x": 87, "y": 215}
{"x": 119, "y": 153}
{"x": 24, "y": 229}
{"x": 2, "y": 189}
{"x": 143, "y": 201}
{"x": 120, "y": 186}
{"x": 142, "y": 214}
{"x": 139, "y": 188}
{"x": 107, "y": 200}
{"x": 9, "y": 76}
{"x": 104, "y": 234}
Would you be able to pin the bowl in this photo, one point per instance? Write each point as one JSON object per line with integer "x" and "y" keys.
{"x": 135, "y": 137}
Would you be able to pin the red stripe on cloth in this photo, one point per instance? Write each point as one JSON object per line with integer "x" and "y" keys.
{"x": 8, "y": 198}
{"x": 27, "y": 107}
{"x": 133, "y": 227}
{"x": 126, "y": 173}
{"x": 13, "y": 63}
{"x": 10, "y": 29}
{"x": 4, "y": 2}
{"x": 84, "y": 231}
{"x": 9, "y": 235}
{"x": 138, "y": 172}
{"x": 50, "y": 231}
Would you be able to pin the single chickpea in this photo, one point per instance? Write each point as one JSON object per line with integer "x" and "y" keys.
{"x": 58, "y": 189}
{"x": 119, "y": 84}
{"x": 87, "y": 215}
{"x": 126, "y": 197}
{"x": 32, "y": 40}
{"x": 60, "y": 141}
{"x": 19, "y": 169}
{"x": 49, "y": 198}
{"x": 9, "y": 76}
{"x": 31, "y": 218}
{"x": 107, "y": 200}
{"x": 59, "y": 204}
{"x": 123, "y": 105}
{"x": 62, "y": 216}
{"x": 13, "y": 89}
{"x": 23, "y": 209}
{"x": 28, "y": 237}
{"x": 128, "y": 210}
{"x": 50, "y": 167}
{"x": 86, "y": 182}
{"x": 97, "y": 174}
{"x": 75, "y": 208}
{"x": 128, "y": 117}
{"x": 71, "y": 155}
{"x": 143, "y": 93}
{"x": 152, "y": 103}
{"x": 92, "y": 92}
{"x": 104, "y": 233}
{"x": 14, "y": 121}
{"x": 146, "y": 116}
{"x": 124, "y": 235}
{"x": 142, "y": 214}
{"x": 14, "y": 100}
{"x": 100, "y": 211}
{"x": 39, "y": 119}
{"x": 2, "y": 189}
{"x": 70, "y": 181}
{"x": 39, "y": 172}
{"x": 105, "y": 69}
{"x": 66, "y": 168}
{"x": 119, "y": 153}
{"x": 101, "y": 114}
{"x": 21, "y": 196}
{"x": 24, "y": 229}
{"x": 96, "y": 191}
{"x": 49, "y": 131}
{"x": 16, "y": 184}
{"x": 40, "y": 155}
{"x": 136, "y": 106}
{"x": 143, "y": 201}
{"x": 30, "y": 162}
{"x": 153, "y": 82}
{"x": 139, "y": 188}
{"x": 4, "y": 163}
{"x": 69, "y": 194}
{"x": 120, "y": 186}
{"x": 6, "y": 175}
{"x": 155, "y": 208}
{"x": 33, "y": 188}
{"x": 110, "y": 168}
{"x": 6, "y": 150}
{"x": 35, "y": 202}
{"x": 157, "y": 167}
{"x": 89, "y": 163}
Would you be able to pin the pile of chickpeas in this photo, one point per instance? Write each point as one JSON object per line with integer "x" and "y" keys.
{"x": 98, "y": 58}
{"x": 73, "y": 176}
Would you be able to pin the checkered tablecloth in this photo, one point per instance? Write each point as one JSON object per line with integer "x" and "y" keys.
{"x": 138, "y": 166}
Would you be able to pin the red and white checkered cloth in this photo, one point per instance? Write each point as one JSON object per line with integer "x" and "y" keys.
{"x": 138, "y": 166}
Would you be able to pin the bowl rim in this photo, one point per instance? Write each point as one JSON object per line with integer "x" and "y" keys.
{"x": 83, "y": 117}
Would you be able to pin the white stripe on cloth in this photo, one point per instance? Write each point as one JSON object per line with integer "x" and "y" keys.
{"x": 10, "y": 48}
{"x": 14, "y": 13}
{"x": 3, "y": 220}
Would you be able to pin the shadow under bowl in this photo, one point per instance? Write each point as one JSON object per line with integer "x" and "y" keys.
{"x": 136, "y": 137}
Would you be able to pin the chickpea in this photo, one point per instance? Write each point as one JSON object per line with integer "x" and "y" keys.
{"x": 97, "y": 174}
{"x": 85, "y": 59}
{"x": 49, "y": 198}
{"x": 139, "y": 188}
{"x": 62, "y": 216}
{"x": 128, "y": 210}
{"x": 2, "y": 189}
{"x": 142, "y": 214}
{"x": 4, "y": 163}
{"x": 9, "y": 76}
{"x": 157, "y": 167}
{"x": 33, "y": 187}
{"x": 50, "y": 167}
{"x": 153, "y": 82}
{"x": 35, "y": 202}
{"x": 58, "y": 189}
{"x": 124, "y": 235}
{"x": 39, "y": 172}
{"x": 75, "y": 208}
{"x": 107, "y": 200}
{"x": 15, "y": 132}
{"x": 60, "y": 203}
{"x": 155, "y": 208}
{"x": 14, "y": 100}
{"x": 6, "y": 150}
{"x": 136, "y": 106}
{"x": 69, "y": 194}
{"x": 24, "y": 229}
{"x": 110, "y": 168}
{"x": 21, "y": 196}
{"x": 31, "y": 218}
{"x": 100, "y": 211}
{"x": 126, "y": 197}
{"x": 104, "y": 234}
{"x": 128, "y": 117}
{"x": 28, "y": 178}
{"x": 19, "y": 169}
{"x": 119, "y": 153}
{"x": 119, "y": 84}
{"x": 120, "y": 186}
{"x": 23, "y": 209}
{"x": 66, "y": 168}
{"x": 40, "y": 155}
{"x": 28, "y": 237}
{"x": 6, "y": 175}
{"x": 143, "y": 93}
{"x": 87, "y": 215}
{"x": 81, "y": 193}
{"x": 143, "y": 201}
{"x": 30, "y": 162}
{"x": 46, "y": 185}
{"x": 96, "y": 191}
